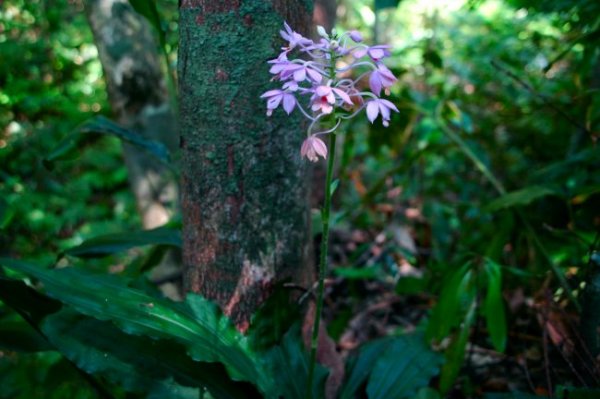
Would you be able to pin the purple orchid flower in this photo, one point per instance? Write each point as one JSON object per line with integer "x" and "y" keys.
{"x": 375, "y": 52}
{"x": 380, "y": 106}
{"x": 380, "y": 78}
{"x": 356, "y": 36}
{"x": 312, "y": 148}
{"x": 300, "y": 72}
{"x": 294, "y": 38}
{"x": 276, "y": 97}
{"x": 324, "y": 98}
{"x": 305, "y": 76}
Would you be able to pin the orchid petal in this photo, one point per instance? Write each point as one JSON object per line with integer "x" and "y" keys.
{"x": 385, "y": 111}
{"x": 289, "y": 102}
{"x": 314, "y": 75}
{"x": 342, "y": 94}
{"x": 359, "y": 52}
{"x": 389, "y": 104}
{"x": 323, "y": 91}
{"x": 376, "y": 53}
{"x": 375, "y": 82}
{"x": 300, "y": 75}
{"x": 319, "y": 147}
{"x": 270, "y": 93}
{"x": 372, "y": 110}
{"x": 274, "y": 102}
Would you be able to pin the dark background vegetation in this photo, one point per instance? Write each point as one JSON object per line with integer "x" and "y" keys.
{"x": 474, "y": 217}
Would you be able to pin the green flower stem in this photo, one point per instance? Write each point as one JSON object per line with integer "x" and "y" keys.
{"x": 322, "y": 265}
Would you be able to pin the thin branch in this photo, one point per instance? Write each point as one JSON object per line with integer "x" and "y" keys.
{"x": 544, "y": 99}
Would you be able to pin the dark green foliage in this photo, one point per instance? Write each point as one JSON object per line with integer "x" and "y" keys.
{"x": 119, "y": 242}
{"x": 493, "y": 151}
{"x": 381, "y": 4}
{"x": 392, "y": 367}
{"x": 150, "y": 11}
{"x": 288, "y": 363}
{"x": 141, "y": 343}
{"x": 71, "y": 146}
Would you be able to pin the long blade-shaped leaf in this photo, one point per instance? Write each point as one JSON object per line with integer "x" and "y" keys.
{"x": 136, "y": 363}
{"x": 70, "y": 147}
{"x": 198, "y": 324}
{"x": 112, "y": 243}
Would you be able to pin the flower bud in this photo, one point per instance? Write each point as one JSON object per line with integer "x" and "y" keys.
{"x": 321, "y": 31}
{"x": 356, "y": 36}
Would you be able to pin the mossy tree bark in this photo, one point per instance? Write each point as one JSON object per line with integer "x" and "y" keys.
{"x": 244, "y": 186}
{"x": 138, "y": 96}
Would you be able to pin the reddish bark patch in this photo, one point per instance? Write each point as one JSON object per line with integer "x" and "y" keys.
{"x": 211, "y": 6}
{"x": 248, "y": 20}
{"x": 190, "y": 3}
{"x": 221, "y": 75}
{"x": 294, "y": 13}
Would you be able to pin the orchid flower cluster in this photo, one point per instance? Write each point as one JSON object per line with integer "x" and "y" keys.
{"x": 327, "y": 85}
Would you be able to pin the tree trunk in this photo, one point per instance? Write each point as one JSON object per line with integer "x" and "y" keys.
{"x": 138, "y": 97}
{"x": 244, "y": 187}
{"x": 325, "y": 13}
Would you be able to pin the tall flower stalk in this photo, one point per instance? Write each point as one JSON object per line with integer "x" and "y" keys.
{"x": 325, "y": 82}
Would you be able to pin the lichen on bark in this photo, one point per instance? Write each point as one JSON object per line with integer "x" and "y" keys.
{"x": 244, "y": 188}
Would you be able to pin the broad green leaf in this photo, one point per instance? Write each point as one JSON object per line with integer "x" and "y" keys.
{"x": 520, "y": 197}
{"x": 411, "y": 285}
{"x": 448, "y": 312}
{"x": 427, "y": 393}
{"x": 455, "y": 354}
{"x": 273, "y": 319}
{"x": 360, "y": 367}
{"x": 6, "y": 213}
{"x": 566, "y": 392}
{"x": 70, "y": 147}
{"x": 495, "y": 314}
{"x": 26, "y": 301}
{"x": 197, "y": 324}
{"x": 288, "y": 363}
{"x": 334, "y": 185}
{"x": 147, "y": 8}
{"x": 137, "y": 363}
{"x": 381, "y": 4}
{"x": 512, "y": 395}
{"x": 406, "y": 366}
{"x": 18, "y": 336}
{"x": 358, "y": 273}
{"x": 112, "y": 243}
